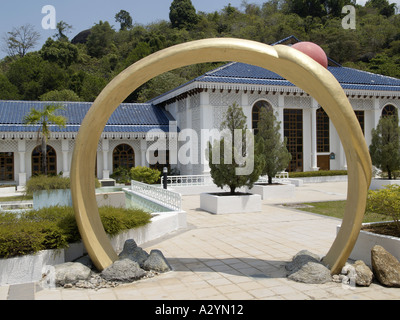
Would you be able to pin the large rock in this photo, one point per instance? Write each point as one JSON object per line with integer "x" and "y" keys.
{"x": 385, "y": 266}
{"x": 364, "y": 275}
{"x": 307, "y": 267}
{"x": 71, "y": 273}
{"x": 124, "y": 270}
{"x": 133, "y": 252}
{"x": 156, "y": 262}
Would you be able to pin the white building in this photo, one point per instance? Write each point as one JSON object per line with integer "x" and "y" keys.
{"x": 200, "y": 104}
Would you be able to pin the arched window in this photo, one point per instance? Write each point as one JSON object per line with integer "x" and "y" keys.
{"x": 123, "y": 156}
{"x": 51, "y": 161}
{"x": 389, "y": 110}
{"x": 255, "y": 113}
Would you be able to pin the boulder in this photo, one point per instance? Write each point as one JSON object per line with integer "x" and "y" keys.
{"x": 71, "y": 273}
{"x": 307, "y": 267}
{"x": 385, "y": 267}
{"x": 156, "y": 262}
{"x": 364, "y": 275}
{"x": 124, "y": 270}
{"x": 133, "y": 252}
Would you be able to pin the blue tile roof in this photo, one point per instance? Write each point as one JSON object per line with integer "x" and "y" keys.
{"x": 349, "y": 78}
{"x": 128, "y": 117}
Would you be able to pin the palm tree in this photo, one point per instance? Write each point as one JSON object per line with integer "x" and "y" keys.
{"x": 44, "y": 118}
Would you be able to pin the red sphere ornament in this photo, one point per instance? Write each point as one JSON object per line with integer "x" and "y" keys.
{"x": 313, "y": 51}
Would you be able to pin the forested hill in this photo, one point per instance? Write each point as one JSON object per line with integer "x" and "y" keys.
{"x": 77, "y": 69}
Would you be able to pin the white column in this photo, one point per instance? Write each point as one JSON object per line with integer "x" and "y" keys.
{"x": 22, "y": 169}
{"x": 105, "y": 148}
{"x": 314, "y": 135}
{"x": 143, "y": 149}
{"x": 281, "y": 107}
{"x": 65, "y": 150}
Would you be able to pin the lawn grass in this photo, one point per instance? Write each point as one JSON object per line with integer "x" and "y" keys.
{"x": 336, "y": 209}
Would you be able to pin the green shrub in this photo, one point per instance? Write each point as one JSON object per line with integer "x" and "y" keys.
{"x": 386, "y": 202}
{"x": 43, "y": 182}
{"x": 319, "y": 173}
{"x": 145, "y": 174}
{"x": 121, "y": 175}
{"x": 55, "y": 227}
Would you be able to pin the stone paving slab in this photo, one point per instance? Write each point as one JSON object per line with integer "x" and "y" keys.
{"x": 238, "y": 257}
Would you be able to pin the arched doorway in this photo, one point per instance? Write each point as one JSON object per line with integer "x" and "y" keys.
{"x": 123, "y": 156}
{"x": 255, "y": 113}
{"x": 51, "y": 161}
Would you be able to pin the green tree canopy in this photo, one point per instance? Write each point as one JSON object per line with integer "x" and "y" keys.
{"x": 182, "y": 14}
{"x": 125, "y": 19}
{"x": 60, "y": 95}
{"x": 61, "y": 52}
{"x": 7, "y": 90}
{"x": 100, "y": 39}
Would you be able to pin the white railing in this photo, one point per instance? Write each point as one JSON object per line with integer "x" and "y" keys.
{"x": 189, "y": 180}
{"x": 206, "y": 180}
{"x": 282, "y": 176}
{"x": 158, "y": 195}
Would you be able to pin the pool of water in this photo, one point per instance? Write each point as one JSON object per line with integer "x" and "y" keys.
{"x": 135, "y": 201}
{"x": 108, "y": 189}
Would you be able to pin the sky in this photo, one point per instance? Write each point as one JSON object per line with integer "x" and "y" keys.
{"x": 83, "y": 14}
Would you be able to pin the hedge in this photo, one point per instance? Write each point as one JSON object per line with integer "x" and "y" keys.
{"x": 43, "y": 182}
{"x": 55, "y": 228}
{"x": 317, "y": 173}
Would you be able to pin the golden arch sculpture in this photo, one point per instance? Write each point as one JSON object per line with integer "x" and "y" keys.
{"x": 290, "y": 63}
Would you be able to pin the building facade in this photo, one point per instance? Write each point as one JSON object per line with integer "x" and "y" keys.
{"x": 180, "y": 121}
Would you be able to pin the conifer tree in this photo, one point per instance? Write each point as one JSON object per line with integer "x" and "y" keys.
{"x": 385, "y": 145}
{"x": 270, "y": 144}
{"x": 232, "y": 159}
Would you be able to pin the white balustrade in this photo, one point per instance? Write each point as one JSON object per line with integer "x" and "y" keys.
{"x": 189, "y": 180}
{"x": 159, "y": 195}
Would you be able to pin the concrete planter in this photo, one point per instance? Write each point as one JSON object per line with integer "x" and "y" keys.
{"x": 217, "y": 204}
{"x": 381, "y": 183}
{"x": 367, "y": 240}
{"x": 46, "y": 198}
{"x": 274, "y": 191}
{"x": 29, "y": 268}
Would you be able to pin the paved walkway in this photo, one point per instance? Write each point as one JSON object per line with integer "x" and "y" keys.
{"x": 237, "y": 256}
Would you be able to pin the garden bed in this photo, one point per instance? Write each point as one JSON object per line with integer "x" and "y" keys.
{"x": 28, "y": 268}
{"x": 368, "y": 238}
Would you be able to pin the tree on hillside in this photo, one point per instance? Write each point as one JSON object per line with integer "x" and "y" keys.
{"x": 385, "y": 145}
{"x": 232, "y": 159}
{"x": 270, "y": 145}
{"x": 44, "y": 118}
{"x": 20, "y": 40}
{"x": 61, "y": 52}
{"x": 182, "y": 14}
{"x": 63, "y": 28}
{"x": 125, "y": 19}
{"x": 7, "y": 90}
{"x": 100, "y": 39}
{"x": 383, "y": 6}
